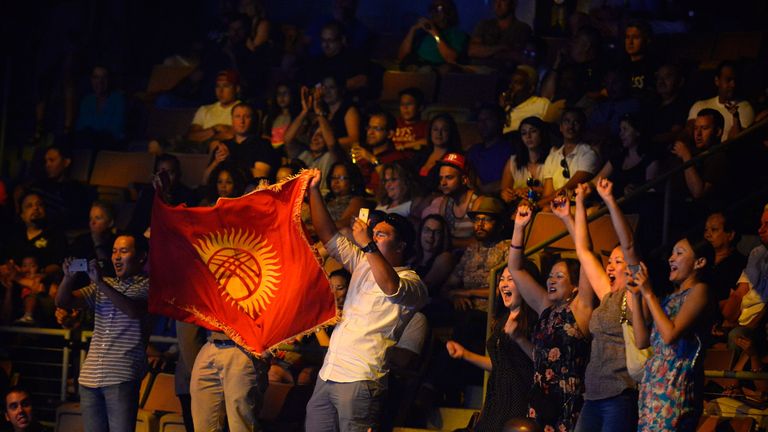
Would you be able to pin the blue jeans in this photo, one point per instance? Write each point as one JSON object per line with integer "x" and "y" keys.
{"x": 112, "y": 408}
{"x": 615, "y": 414}
{"x": 346, "y": 407}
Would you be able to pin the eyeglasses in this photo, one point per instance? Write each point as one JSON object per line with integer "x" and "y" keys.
{"x": 483, "y": 220}
{"x": 376, "y": 128}
{"x": 340, "y": 178}
{"x": 564, "y": 165}
{"x": 391, "y": 180}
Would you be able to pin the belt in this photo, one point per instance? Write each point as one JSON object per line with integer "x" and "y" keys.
{"x": 222, "y": 343}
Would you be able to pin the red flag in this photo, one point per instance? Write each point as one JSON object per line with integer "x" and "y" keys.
{"x": 244, "y": 267}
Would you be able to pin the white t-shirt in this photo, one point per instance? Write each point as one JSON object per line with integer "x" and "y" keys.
{"x": 534, "y": 106}
{"x": 746, "y": 114}
{"x": 214, "y": 114}
{"x": 582, "y": 158}
{"x": 373, "y": 321}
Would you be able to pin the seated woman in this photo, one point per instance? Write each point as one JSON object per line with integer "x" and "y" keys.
{"x": 434, "y": 260}
{"x": 632, "y": 164}
{"x": 225, "y": 181}
{"x": 342, "y": 115}
{"x": 437, "y": 40}
{"x": 442, "y": 138}
{"x": 673, "y": 326}
{"x": 397, "y": 193}
{"x": 720, "y": 232}
{"x": 523, "y": 172}
{"x": 345, "y": 198}
{"x": 507, "y": 360}
{"x": 283, "y": 108}
{"x": 321, "y": 150}
{"x": 561, "y": 335}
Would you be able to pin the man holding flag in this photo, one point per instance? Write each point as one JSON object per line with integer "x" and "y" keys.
{"x": 383, "y": 295}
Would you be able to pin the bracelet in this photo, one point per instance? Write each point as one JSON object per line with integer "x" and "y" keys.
{"x": 518, "y": 247}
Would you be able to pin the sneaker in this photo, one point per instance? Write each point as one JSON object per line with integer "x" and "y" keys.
{"x": 25, "y": 320}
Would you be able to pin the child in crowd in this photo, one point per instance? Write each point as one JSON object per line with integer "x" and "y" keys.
{"x": 411, "y": 132}
{"x": 35, "y": 286}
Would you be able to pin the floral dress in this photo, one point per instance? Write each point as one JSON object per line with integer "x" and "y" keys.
{"x": 668, "y": 386}
{"x": 560, "y": 356}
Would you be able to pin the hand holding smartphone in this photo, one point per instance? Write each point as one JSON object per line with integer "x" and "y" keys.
{"x": 363, "y": 215}
{"x": 79, "y": 265}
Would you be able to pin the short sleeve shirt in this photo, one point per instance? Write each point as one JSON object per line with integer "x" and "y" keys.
{"x": 582, "y": 158}
{"x": 214, "y": 114}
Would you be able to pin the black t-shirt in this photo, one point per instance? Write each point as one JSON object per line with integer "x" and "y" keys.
{"x": 666, "y": 116}
{"x": 67, "y": 203}
{"x": 49, "y": 247}
{"x": 252, "y": 150}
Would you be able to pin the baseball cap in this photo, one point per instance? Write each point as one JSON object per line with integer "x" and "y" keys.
{"x": 454, "y": 160}
{"x": 230, "y": 76}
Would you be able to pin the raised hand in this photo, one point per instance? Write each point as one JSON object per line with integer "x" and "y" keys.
{"x": 604, "y": 188}
{"x": 582, "y": 191}
{"x": 455, "y": 349}
{"x": 523, "y": 215}
{"x": 306, "y": 99}
{"x": 316, "y": 178}
{"x": 561, "y": 206}
{"x": 360, "y": 232}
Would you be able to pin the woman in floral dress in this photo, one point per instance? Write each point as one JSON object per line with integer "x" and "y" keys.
{"x": 560, "y": 337}
{"x": 669, "y": 398}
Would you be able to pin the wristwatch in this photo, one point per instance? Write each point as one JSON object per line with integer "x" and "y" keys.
{"x": 370, "y": 247}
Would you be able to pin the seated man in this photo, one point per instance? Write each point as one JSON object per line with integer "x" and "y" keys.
{"x": 498, "y": 42}
{"x": 67, "y": 201}
{"x": 737, "y": 114}
{"x": 490, "y": 156}
{"x": 519, "y": 101}
{"x": 378, "y": 148}
{"x": 671, "y": 108}
{"x": 706, "y": 181}
{"x": 251, "y": 154}
{"x": 337, "y": 60}
{"x": 19, "y": 412}
{"x": 116, "y": 362}
{"x": 435, "y": 41}
{"x": 573, "y": 163}
{"x": 35, "y": 237}
{"x": 411, "y": 131}
{"x": 214, "y": 121}
{"x": 745, "y": 308}
{"x": 456, "y": 200}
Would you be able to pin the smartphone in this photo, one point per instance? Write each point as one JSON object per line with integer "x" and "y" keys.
{"x": 363, "y": 215}
{"x": 79, "y": 265}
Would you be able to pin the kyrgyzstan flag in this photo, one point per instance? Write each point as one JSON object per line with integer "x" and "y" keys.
{"x": 244, "y": 266}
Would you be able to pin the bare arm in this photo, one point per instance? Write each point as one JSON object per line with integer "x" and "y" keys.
{"x": 321, "y": 219}
{"x": 198, "y": 134}
{"x": 619, "y": 221}
{"x": 65, "y": 298}
{"x": 133, "y": 308}
{"x": 732, "y": 307}
{"x": 352, "y": 124}
{"x": 533, "y": 293}
{"x": 383, "y": 273}
{"x": 696, "y": 185}
{"x": 407, "y": 44}
{"x": 457, "y": 351}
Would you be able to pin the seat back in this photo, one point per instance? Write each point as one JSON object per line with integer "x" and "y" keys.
{"x": 162, "y": 395}
{"x": 395, "y": 81}
{"x": 122, "y": 169}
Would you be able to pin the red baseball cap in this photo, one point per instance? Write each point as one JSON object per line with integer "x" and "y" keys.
{"x": 231, "y": 76}
{"x": 454, "y": 160}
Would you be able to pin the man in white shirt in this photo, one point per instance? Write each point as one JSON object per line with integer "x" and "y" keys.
{"x": 383, "y": 296}
{"x": 738, "y": 114}
{"x": 214, "y": 122}
{"x": 574, "y": 162}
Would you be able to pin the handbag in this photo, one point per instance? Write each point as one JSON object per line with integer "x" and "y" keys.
{"x": 636, "y": 357}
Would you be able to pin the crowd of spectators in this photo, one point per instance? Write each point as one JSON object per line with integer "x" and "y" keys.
{"x": 578, "y": 122}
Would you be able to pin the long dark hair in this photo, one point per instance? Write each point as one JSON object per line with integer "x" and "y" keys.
{"x": 274, "y": 110}
{"x": 521, "y": 151}
{"x": 357, "y": 183}
{"x": 702, "y": 249}
{"x": 454, "y": 140}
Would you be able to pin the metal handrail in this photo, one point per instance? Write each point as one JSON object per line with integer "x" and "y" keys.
{"x": 743, "y": 135}
{"x": 66, "y": 335}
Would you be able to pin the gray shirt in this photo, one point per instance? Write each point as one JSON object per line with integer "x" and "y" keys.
{"x": 606, "y": 375}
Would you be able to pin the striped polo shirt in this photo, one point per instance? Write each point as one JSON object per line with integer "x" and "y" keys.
{"x": 117, "y": 351}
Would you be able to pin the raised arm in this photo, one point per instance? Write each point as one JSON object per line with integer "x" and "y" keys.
{"x": 133, "y": 308}
{"x": 619, "y": 221}
{"x": 65, "y": 297}
{"x": 383, "y": 273}
{"x": 533, "y": 293}
{"x": 321, "y": 219}
{"x": 293, "y": 129}
{"x": 590, "y": 263}
{"x": 641, "y": 316}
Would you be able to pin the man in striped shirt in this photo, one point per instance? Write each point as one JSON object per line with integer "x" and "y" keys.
{"x": 116, "y": 361}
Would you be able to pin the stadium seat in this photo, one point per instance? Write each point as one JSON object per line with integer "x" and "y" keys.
{"x": 395, "y": 81}
{"x": 193, "y": 166}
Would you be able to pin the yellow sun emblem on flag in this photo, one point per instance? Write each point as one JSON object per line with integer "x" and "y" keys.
{"x": 245, "y": 267}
